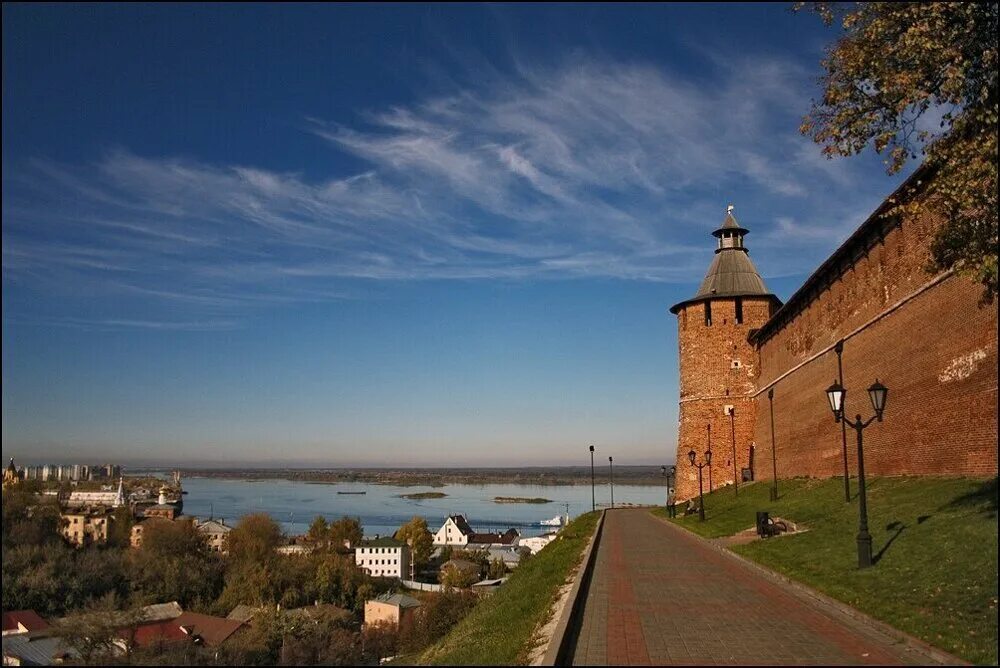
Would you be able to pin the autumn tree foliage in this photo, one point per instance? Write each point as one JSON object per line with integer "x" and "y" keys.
{"x": 919, "y": 80}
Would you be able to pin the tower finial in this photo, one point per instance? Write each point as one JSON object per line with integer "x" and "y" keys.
{"x": 729, "y": 209}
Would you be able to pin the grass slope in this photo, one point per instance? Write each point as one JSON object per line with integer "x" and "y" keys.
{"x": 499, "y": 630}
{"x": 935, "y": 541}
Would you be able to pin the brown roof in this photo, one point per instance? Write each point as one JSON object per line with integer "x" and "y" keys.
{"x": 731, "y": 273}
{"x": 506, "y": 538}
{"x": 213, "y": 630}
{"x": 29, "y": 619}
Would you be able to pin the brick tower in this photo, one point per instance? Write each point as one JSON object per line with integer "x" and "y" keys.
{"x": 717, "y": 363}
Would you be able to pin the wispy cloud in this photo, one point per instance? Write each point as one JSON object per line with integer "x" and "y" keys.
{"x": 588, "y": 169}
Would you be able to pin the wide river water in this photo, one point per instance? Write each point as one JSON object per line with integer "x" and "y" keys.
{"x": 382, "y": 509}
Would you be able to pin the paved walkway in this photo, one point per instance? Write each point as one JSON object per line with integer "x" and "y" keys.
{"x": 659, "y": 595}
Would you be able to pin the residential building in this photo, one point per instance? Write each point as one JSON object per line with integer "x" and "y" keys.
{"x": 87, "y": 526}
{"x": 383, "y": 557}
{"x": 395, "y": 610}
{"x": 216, "y": 534}
{"x": 455, "y": 531}
{"x": 23, "y": 621}
{"x": 188, "y": 627}
{"x": 35, "y": 649}
{"x": 508, "y": 538}
{"x": 460, "y": 571}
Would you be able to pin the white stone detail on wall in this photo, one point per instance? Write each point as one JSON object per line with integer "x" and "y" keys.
{"x": 962, "y": 367}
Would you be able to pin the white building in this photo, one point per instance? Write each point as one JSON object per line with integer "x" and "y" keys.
{"x": 107, "y": 498}
{"x": 536, "y": 543}
{"x": 384, "y": 558}
{"x": 454, "y": 531}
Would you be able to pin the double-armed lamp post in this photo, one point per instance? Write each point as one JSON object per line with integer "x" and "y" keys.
{"x": 706, "y": 461}
{"x": 668, "y": 474}
{"x": 877, "y": 393}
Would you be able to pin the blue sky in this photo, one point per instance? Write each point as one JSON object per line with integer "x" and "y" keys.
{"x": 390, "y": 235}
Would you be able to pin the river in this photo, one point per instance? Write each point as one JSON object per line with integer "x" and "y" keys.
{"x": 382, "y": 509}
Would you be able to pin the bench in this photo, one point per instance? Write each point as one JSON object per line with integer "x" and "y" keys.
{"x": 767, "y": 527}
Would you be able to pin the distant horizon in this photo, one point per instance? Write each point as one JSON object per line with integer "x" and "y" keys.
{"x": 318, "y": 466}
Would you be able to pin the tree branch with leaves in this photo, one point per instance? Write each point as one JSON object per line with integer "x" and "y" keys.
{"x": 919, "y": 81}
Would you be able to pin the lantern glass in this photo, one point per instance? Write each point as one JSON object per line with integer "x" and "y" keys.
{"x": 708, "y": 457}
{"x": 691, "y": 456}
{"x": 878, "y": 393}
{"x": 835, "y": 394}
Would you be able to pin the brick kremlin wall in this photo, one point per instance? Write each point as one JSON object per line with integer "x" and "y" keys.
{"x": 926, "y": 338}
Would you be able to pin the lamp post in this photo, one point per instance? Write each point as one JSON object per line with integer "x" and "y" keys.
{"x": 774, "y": 456}
{"x": 706, "y": 461}
{"x": 732, "y": 429}
{"x": 710, "y": 460}
{"x": 593, "y": 495}
{"x": 877, "y": 393}
{"x": 668, "y": 477}
{"x": 611, "y": 467}
{"x": 839, "y": 349}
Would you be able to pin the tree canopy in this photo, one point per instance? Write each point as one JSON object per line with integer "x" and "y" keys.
{"x": 919, "y": 80}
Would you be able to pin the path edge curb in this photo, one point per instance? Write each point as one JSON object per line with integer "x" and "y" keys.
{"x": 912, "y": 642}
{"x": 557, "y": 646}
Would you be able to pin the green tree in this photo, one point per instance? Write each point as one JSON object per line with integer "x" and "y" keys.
{"x": 319, "y": 532}
{"x": 254, "y": 539}
{"x": 174, "y": 563}
{"x": 498, "y": 569}
{"x": 895, "y": 68}
{"x": 416, "y": 534}
{"x": 345, "y": 532}
{"x": 120, "y": 531}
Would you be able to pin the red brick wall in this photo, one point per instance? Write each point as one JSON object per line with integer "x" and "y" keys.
{"x": 937, "y": 353}
{"x": 709, "y": 381}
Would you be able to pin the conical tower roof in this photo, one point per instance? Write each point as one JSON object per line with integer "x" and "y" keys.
{"x": 732, "y": 273}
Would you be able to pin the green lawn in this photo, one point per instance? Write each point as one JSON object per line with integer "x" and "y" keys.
{"x": 499, "y": 630}
{"x": 935, "y": 541}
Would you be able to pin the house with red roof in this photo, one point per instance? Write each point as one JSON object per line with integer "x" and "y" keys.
{"x": 23, "y": 621}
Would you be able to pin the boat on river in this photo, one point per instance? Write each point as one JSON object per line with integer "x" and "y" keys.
{"x": 341, "y": 492}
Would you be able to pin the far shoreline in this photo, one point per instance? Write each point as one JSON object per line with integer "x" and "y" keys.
{"x": 645, "y": 476}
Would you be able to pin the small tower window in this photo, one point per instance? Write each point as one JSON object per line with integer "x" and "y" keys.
{"x": 739, "y": 311}
{"x": 708, "y": 314}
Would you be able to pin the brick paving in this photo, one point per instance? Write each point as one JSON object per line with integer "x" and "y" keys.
{"x": 660, "y": 595}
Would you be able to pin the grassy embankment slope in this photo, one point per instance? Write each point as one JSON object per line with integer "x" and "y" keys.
{"x": 499, "y": 630}
{"x": 934, "y": 539}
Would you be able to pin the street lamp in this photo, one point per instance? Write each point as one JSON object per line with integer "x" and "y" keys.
{"x": 732, "y": 427}
{"x": 774, "y": 456}
{"x": 668, "y": 478}
{"x": 877, "y": 393}
{"x": 611, "y": 467}
{"x": 593, "y": 496}
{"x": 839, "y": 349}
{"x": 707, "y": 461}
